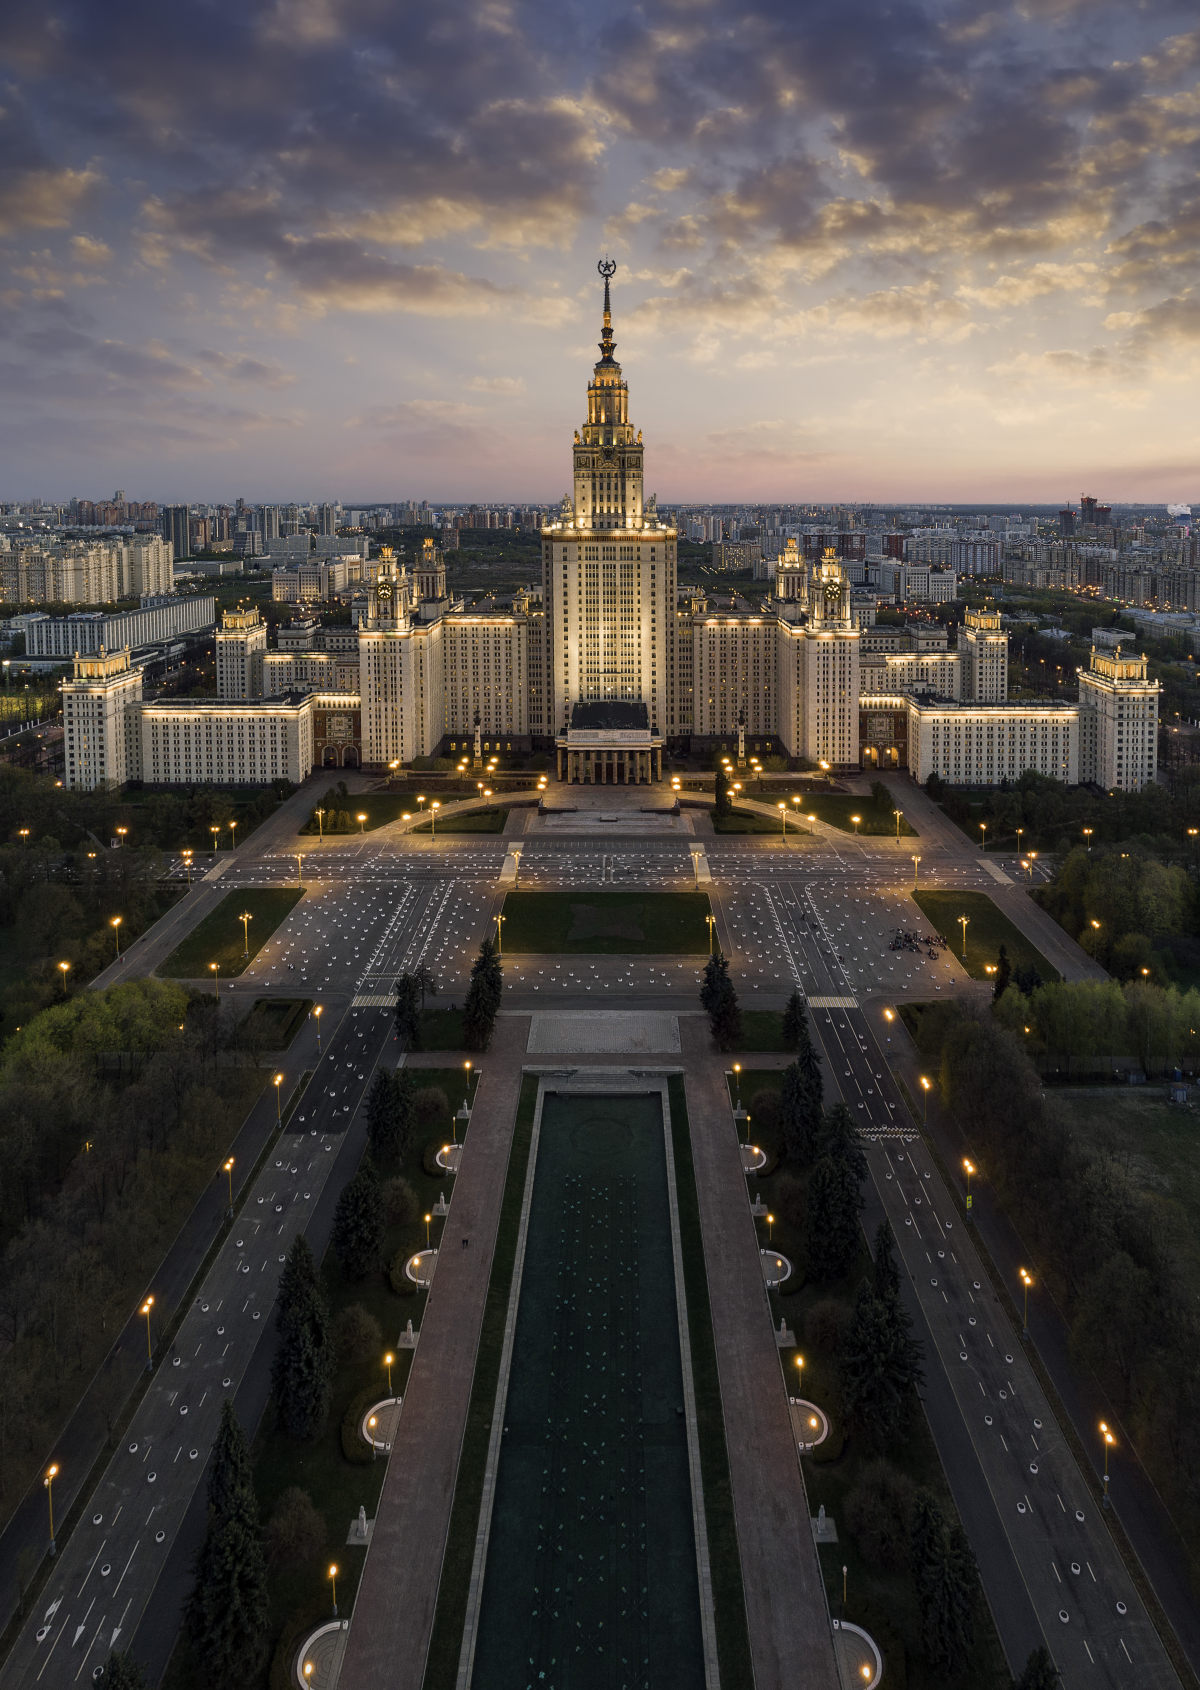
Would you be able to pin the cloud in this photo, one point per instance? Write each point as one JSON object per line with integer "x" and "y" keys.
{"x": 505, "y": 385}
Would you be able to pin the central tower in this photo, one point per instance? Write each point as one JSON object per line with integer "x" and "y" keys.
{"x": 608, "y": 569}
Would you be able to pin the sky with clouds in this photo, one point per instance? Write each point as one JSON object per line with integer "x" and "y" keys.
{"x": 868, "y": 249}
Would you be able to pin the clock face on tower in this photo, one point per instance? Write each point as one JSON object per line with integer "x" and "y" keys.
{"x": 384, "y": 591}
{"x": 833, "y": 591}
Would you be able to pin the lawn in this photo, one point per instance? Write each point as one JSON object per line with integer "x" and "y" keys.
{"x": 1154, "y": 1144}
{"x": 744, "y": 821}
{"x": 836, "y": 808}
{"x": 606, "y": 923}
{"x": 473, "y": 821}
{"x": 762, "y": 1029}
{"x": 379, "y": 808}
{"x": 441, "y": 1029}
{"x": 276, "y": 1020}
{"x": 219, "y": 937}
{"x": 987, "y": 929}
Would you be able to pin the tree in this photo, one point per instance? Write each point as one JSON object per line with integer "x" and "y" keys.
{"x": 302, "y": 1369}
{"x": 295, "y": 1532}
{"x": 944, "y": 1573}
{"x": 483, "y": 998}
{"x": 1003, "y": 973}
{"x": 840, "y": 1140}
{"x": 121, "y": 1672}
{"x": 879, "y": 1514}
{"x": 228, "y": 1615}
{"x": 834, "y": 1203}
{"x": 800, "y": 1108}
{"x": 721, "y": 805}
{"x": 1040, "y": 1672}
{"x": 887, "y": 1272}
{"x": 719, "y": 1000}
{"x": 795, "y": 1023}
{"x": 384, "y": 1124}
{"x": 408, "y": 1011}
{"x": 426, "y": 982}
{"x": 881, "y": 1367}
{"x": 358, "y": 1223}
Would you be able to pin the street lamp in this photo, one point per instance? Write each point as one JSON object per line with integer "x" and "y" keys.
{"x": 782, "y": 808}
{"x": 800, "y": 1374}
{"x": 467, "y": 1069}
{"x": 215, "y": 831}
{"x": 361, "y": 818}
{"x": 115, "y": 924}
{"x": 983, "y": 831}
{"x": 964, "y": 922}
{"x": 215, "y": 971}
{"x": 146, "y": 1307}
{"x": 916, "y": 865}
{"x": 924, "y": 1100}
{"x": 228, "y": 1166}
{"x": 856, "y": 820}
{"x": 232, "y": 836}
{"x": 420, "y": 801}
{"x": 770, "y": 1228}
{"x": 48, "y": 1481}
{"x": 500, "y": 920}
{"x": 277, "y": 1082}
{"x": 1020, "y": 831}
{"x": 246, "y": 918}
{"x": 24, "y": 834}
{"x": 64, "y": 970}
{"x": 969, "y": 1169}
{"x": 737, "y": 1085}
{"x": 333, "y": 1583}
{"x": 1087, "y": 834}
{"x": 712, "y": 922}
{"x": 433, "y": 810}
{"x": 428, "y": 1218}
{"x": 1109, "y": 1441}
{"x": 1026, "y": 1281}
{"x": 318, "y": 1010}
{"x": 388, "y": 1359}
{"x": 320, "y": 815}
{"x": 187, "y": 863}
{"x": 898, "y": 814}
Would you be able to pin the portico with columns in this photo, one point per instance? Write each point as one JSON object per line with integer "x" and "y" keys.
{"x": 608, "y": 743}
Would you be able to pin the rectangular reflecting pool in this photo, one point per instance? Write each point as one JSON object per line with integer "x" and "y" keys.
{"x": 590, "y": 1578}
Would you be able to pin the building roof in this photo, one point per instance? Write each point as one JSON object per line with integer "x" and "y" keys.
{"x": 610, "y": 715}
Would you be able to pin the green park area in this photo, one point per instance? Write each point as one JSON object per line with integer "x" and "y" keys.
{"x": 1151, "y": 1143}
{"x": 221, "y": 937}
{"x": 606, "y": 923}
{"x": 838, "y": 809}
{"x": 987, "y": 929}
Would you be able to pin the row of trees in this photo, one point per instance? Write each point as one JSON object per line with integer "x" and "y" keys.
{"x": 1128, "y": 908}
{"x": 115, "y": 1108}
{"x": 1101, "y": 1243}
{"x": 1093, "y": 1024}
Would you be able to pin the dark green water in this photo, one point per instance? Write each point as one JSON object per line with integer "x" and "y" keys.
{"x": 591, "y": 1580}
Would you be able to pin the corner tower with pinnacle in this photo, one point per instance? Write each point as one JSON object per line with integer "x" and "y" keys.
{"x": 608, "y": 579}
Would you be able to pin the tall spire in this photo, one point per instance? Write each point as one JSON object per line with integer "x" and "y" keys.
{"x": 607, "y": 268}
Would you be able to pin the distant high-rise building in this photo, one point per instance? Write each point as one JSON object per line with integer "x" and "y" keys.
{"x": 174, "y": 522}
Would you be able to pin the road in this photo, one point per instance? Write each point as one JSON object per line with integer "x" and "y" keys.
{"x": 104, "y": 1578}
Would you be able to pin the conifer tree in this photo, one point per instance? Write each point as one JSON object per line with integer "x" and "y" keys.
{"x": 228, "y": 1615}
{"x": 834, "y": 1202}
{"x": 483, "y": 998}
{"x": 121, "y": 1672}
{"x": 887, "y": 1271}
{"x": 795, "y": 1023}
{"x": 1040, "y": 1672}
{"x": 408, "y": 1011}
{"x": 881, "y": 1368}
{"x": 944, "y": 1573}
{"x": 302, "y": 1370}
{"x": 358, "y": 1223}
{"x": 800, "y": 1111}
{"x": 383, "y": 1117}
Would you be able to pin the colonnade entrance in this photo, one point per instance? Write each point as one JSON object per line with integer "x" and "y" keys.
{"x": 605, "y": 766}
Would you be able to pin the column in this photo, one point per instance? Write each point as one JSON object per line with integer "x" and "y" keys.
{"x": 559, "y": 756}
{"x": 658, "y": 762}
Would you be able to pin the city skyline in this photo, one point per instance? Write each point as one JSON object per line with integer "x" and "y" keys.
{"x": 939, "y": 254}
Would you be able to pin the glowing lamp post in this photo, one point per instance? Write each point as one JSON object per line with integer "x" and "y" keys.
{"x": 245, "y": 918}
{"x": 924, "y": 1100}
{"x": 1109, "y": 1441}
{"x": 145, "y": 1309}
{"x": 115, "y": 924}
{"x": 228, "y": 1166}
{"x": 277, "y": 1082}
{"x": 1026, "y": 1282}
{"x": 48, "y": 1481}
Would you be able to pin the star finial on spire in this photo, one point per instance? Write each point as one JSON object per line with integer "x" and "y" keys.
{"x": 607, "y": 268}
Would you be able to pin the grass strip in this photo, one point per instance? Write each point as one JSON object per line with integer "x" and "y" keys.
{"x": 473, "y": 821}
{"x": 221, "y": 938}
{"x": 725, "y": 1566}
{"x": 445, "y": 1643}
